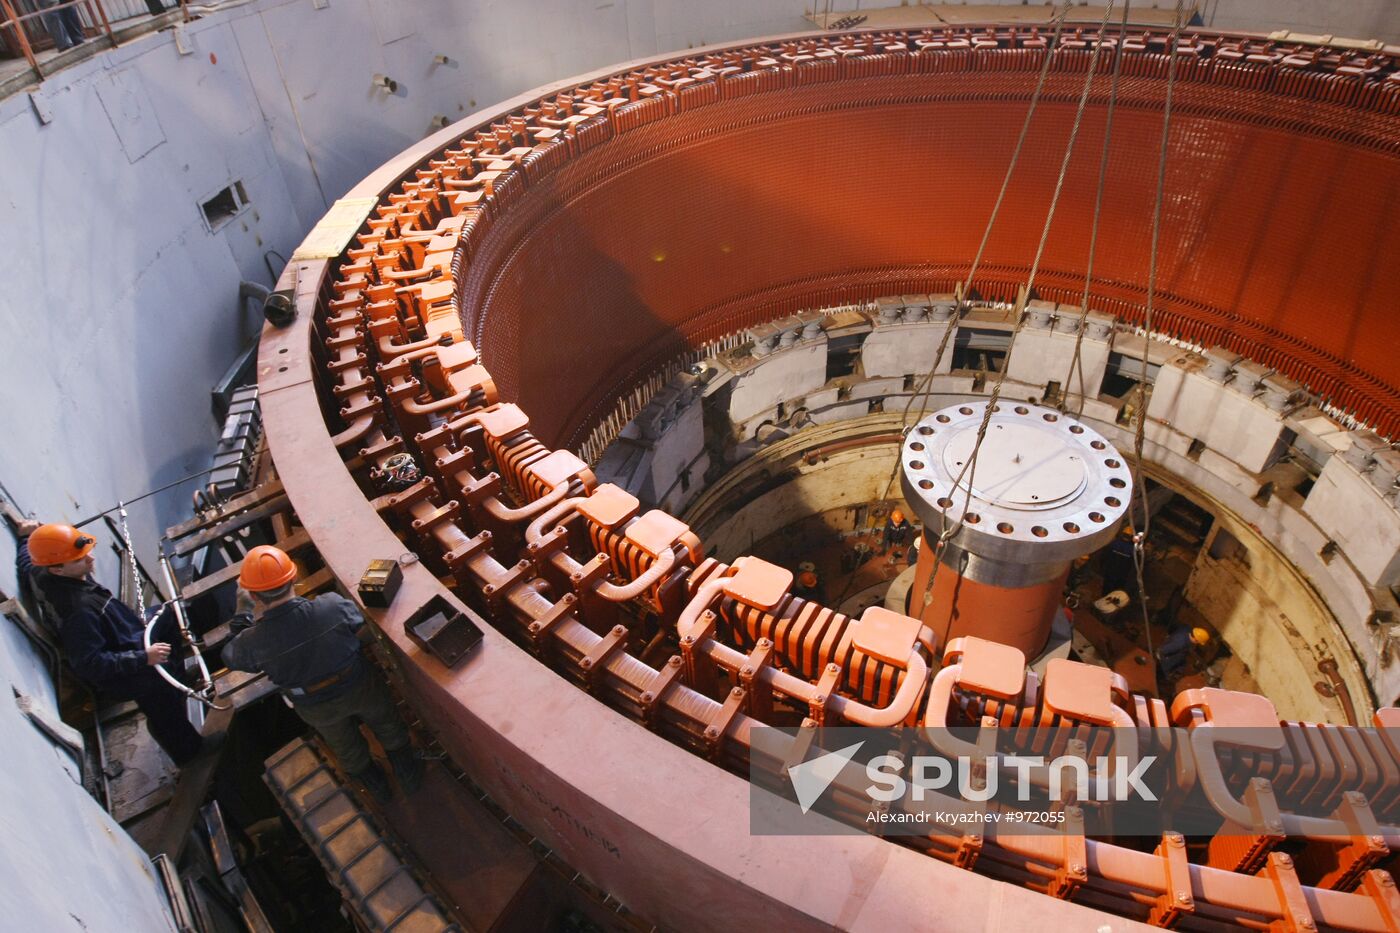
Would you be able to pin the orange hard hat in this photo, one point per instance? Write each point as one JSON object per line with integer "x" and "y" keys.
{"x": 808, "y": 579}
{"x": 58, "y": 544}
{"x": 896, "y": 516}
{"x": 266, "y": 568}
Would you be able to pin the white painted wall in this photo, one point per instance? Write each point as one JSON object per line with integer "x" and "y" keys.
{"x": 119, "y": 306}
{"x": 119, "y": 309}
{"x": 64, "y": 863}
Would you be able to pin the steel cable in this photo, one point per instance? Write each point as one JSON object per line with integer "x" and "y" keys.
{"x": 1075, "y": 363}
{"x": 1140, "y": 428}
{"x": 969, "y": 470}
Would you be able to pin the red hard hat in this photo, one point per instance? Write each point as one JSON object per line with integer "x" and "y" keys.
{"x": 58, "y": 544}
{"x": 808, "y": 579}
{"x": 266, "y": 568}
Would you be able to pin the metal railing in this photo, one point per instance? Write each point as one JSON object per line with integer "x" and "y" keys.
{"x": 20, "y": 35}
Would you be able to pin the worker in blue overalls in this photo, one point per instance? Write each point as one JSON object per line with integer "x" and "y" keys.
{"x": 311, "y": 650}
{"x": 104, "y": 638}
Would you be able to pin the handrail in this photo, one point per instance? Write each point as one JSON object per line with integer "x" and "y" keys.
{"x": 11, "y": 19}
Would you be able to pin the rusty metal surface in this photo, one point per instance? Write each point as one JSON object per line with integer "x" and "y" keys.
{"x": 690, "y": 213}
{"x": 546, "y": 235}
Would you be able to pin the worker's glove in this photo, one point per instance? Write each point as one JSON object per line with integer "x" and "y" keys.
{"x": 243, "y": 612}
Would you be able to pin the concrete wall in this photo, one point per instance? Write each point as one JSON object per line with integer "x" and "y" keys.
{"x": 120, "y": 309}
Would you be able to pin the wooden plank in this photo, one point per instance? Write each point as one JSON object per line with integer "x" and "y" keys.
{"x": 192, "y": 543}
{"x": 261, "y": 494}
{"x": 193, "y": 787}
{"x": 298, "y": 540}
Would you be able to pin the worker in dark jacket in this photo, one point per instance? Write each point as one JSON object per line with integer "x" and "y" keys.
{"x": 103, "y": 638}
{"x": 311, "y": 650}
{"x": 897, "y": 530}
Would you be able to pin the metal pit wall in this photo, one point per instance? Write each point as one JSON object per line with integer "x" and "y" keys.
{"x": 556, "y": 235}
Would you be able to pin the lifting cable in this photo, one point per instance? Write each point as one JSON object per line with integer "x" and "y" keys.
{"x": 962, "y": 292}
{"x": 1139, "y": 431}
{"x": 1075, "y": 363}
{"x": 948, "y": 532}
{"x": 923, "y": 390}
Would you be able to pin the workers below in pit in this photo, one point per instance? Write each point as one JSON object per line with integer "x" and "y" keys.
{"x": 1119, "y": 571}
{"x": 898, "y": 531}
{"x": 1183, "y": 645}
{"x": 103, "y": 638}
{"x": 807, "y": 585}
{"x": 311, "y": 650}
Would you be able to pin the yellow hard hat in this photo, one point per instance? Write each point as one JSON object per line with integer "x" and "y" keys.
{"x": 1200, "y": 636}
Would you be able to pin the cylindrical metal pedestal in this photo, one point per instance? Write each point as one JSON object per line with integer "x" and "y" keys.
{"x": 1044, "y": 490}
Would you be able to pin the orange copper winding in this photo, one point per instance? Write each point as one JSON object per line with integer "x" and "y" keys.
{"x": 582, "y": 239}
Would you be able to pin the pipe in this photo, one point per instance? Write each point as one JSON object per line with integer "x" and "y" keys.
{"x": 504, "y": 513}
{"x": 905, "y": 700}
{"x": 554, "y": 516}
{"x": 247, "y": 290}
{"x": 643, "y": 582}
{"x": 1213, "y": 785}
{"x": 354, "y": 433}
{"x": 442, "y": 404}
{"x": 942, "y": 737}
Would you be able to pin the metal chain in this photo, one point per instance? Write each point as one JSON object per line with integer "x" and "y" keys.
{"x": 206, "y": 692}
{"x": 1139, "y": 433}
{"x": 1075, "y": 363}
{"x": 132, "y": 565}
